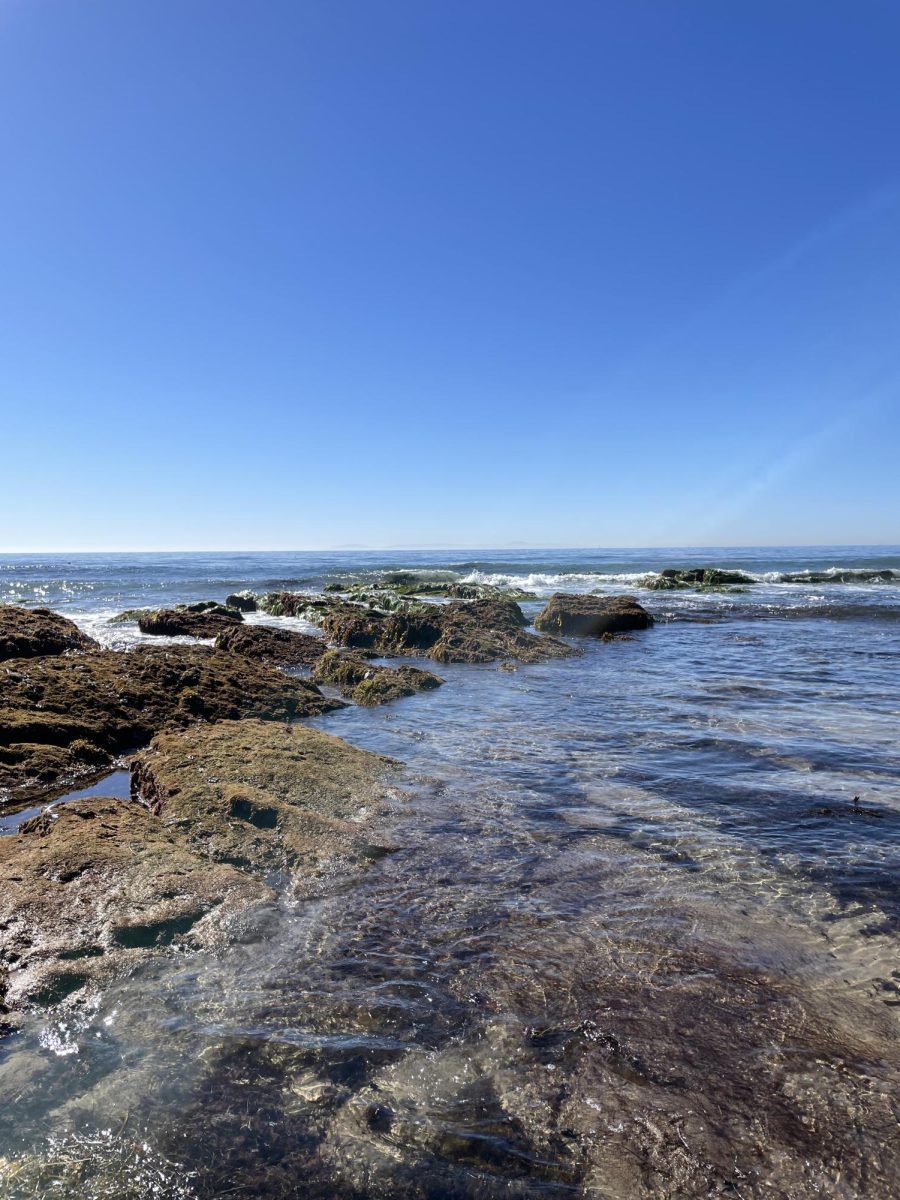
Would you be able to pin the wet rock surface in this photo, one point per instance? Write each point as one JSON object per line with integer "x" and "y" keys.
{"x": 479, "y": 1051}
{"x": 293, "y": 604}
{"x": 64, "y": 717}
{"x": 462, "y": 631}
{"x": 701, "y": 579}
{"x": 203, "y": 620}
{"x": 367, "y": 684}
{"x": 591, "y": 616}
{"x": 401, "y": 584}
{"x": 35, "y": 632}
{"x": 849, "y": 576}
{"x": 244, "y": 601}
{"x": 265, "y": 797}
{"x": 90, "y": 889}
{"x": 283, "y": 647}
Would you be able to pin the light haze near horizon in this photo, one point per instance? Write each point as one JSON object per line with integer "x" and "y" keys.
{"x": 397, "y": 274}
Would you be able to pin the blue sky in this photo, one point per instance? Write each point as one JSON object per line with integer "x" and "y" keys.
{"x": 409, "y": 272}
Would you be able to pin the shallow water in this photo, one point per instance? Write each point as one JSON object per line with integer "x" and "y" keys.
{"x": 638, "y": 938}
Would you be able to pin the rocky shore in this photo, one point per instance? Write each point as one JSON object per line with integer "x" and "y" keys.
{"x": 599, "y": 953}
{"x": 228, "y": 793}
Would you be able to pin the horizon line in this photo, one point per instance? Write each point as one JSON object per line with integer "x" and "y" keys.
{"x": 419, "y": 547}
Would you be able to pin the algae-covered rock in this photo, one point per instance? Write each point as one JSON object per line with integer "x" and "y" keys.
{"x": 391, "y": 589}
{"x": 89, "y": 890}
{"x": 202, "y": 620}
{"x": 283, "y": 647}
{"x": 462, "y": 631}
{"x": 368, "y": 685}
{"x": 293, "y": 604}
{"x": 591, "y": 616}
{"x": 131, "y": 616}
{"x": 34, "y": 632}
{"x": 65, "y": 717}
{"x": 263, "y": 796}
{"x": 701, "y": 579}
{"x": 244, "y": 601}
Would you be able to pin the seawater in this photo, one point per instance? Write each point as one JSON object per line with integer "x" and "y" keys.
{"x": 640, "y": 937}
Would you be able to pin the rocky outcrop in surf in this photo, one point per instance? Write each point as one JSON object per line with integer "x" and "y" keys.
{"x": 366, "y": 684}
{"x": 244, "y": 601}
{"x": 461, "y": 631}
{"x": 591, "y": 616}
{"x": 848, "y": 576}
{"x": 701, "y": 579}
{"x": 203, "y": 620}
{"x": 400, "y": 584}
{"x": 35, "y": 632}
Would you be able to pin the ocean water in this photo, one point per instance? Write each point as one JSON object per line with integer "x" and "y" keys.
{"x": 640, "y": 936}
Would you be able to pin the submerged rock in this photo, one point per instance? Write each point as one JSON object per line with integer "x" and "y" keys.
{"x": 368, "y": 685}
{"x": 34, "y": 632}
{"x": 202, "y": 620}
{"x": 462, "y": 631}
{"x": 849, "y": 576}
{"x": 263, "y": 796}
{"x": 283, "y": 647}
{"x": 591, "y": 616}
{"x": 89, "y": 890}
{"x": 61, "y": 718}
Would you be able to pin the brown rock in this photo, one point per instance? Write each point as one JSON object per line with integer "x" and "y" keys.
{"x": 591, "y": 616}
{"x": 194, "y": 620}
{"x": 473, "y": 631}
{"x": 65, "y": 717}
{"x": 88, "y": 891}
{"x": 263, "y": 796}
{"x": 283, "y": 647}
{"x": 368, "y": 685}
{"x": 33, "y": 632}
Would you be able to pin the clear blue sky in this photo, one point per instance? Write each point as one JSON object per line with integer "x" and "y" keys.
{"x": 307, "y": 273}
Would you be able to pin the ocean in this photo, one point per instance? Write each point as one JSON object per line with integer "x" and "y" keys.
{"x": 639, "y": 938}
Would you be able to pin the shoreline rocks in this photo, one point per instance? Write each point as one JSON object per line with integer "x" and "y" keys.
{"x": 94, "y": 887}
{"x": 90, "y": 890}
{"x": 264, "y": 797}
{"x": 281, "y": 647}
{"x": 37, "y": 632}
{"x": 591, "y": 616}
{"x": 66, "y": 717}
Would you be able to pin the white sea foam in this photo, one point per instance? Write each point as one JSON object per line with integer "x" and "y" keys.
{"x": 296, "y": 623}
{"x": 545, "y": 583}
{"x": 123, "y": 635}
